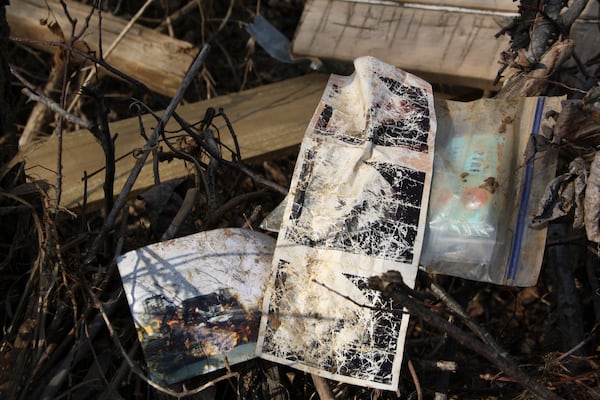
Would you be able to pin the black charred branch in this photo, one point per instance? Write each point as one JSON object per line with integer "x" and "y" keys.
{"x": 392, "y": 286}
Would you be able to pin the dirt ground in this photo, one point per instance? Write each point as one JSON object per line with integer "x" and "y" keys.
{"x": 56, "y": 344}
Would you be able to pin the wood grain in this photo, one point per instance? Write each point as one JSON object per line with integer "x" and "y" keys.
{"x": 455, "y": 46}
{"x": 495, "y": 6}
{"x": 267, "y": 120}
{"x": 157, "y": 60}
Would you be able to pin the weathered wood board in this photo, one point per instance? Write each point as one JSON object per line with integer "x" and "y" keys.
{"x": 268, "y": 119}
{"x": 448, "y": 41}
{"x": 494, "y": 6}
{"x": 157, "y": 60}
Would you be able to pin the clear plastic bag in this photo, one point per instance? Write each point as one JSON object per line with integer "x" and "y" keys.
{"x": 485, "y": 190}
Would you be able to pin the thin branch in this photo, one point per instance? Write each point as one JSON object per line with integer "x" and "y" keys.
{"x": 182, "y": 214}
{"x": 36, "y": 270}
{"x": 102, "y": 133}
{"x": 219, "y": 212}
{"x": 184, "y": 124}
{"x": 104, "y": 54}
{"x": 415, "y": 379}
{"x": 136, "y": 370}
{"x": 391, "y": 285}
{"x": 173, "y": 17}
{"x": 54, "y": 106}
{"x": 322, "y": 387}
{"x": 460, "y": 312}
{"x": 29, "y": 91}
{"x": 259, "y": 179}
{"x": 135, "y": 172}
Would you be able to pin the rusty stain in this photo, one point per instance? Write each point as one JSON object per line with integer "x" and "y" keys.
{"x": 490, "y": 184}
{"x": 274, "y": 321}
{"x": 500, "y": 158}
{"x": 507, "y": 120}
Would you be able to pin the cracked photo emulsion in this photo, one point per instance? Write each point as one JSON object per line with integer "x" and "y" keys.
{"x": 357, "y": 208}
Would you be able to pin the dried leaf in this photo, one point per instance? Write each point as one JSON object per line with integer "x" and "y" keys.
{"x": 550, "y": 206}
{"x": 592, "y": 201}
{"x": 579, "y": 184}
{"x": 561, "y": 194}
{"x": 577, "y": 123}
{"x": 54, "y": 27}
{"x": 475, "y": 308}
{"x": 591, "y": 103}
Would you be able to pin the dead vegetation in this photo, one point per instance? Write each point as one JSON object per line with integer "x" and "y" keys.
{"x": 67, "y": 331}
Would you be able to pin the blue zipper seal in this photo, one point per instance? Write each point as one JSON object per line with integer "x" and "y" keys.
{"x": 515, "y": 251}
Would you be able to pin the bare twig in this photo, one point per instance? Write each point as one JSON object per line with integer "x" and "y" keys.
{"x": 105, "y": 54}
{"x": 392, "y": 286}
{"x": 322, "y": 387}
{"x": 184, "y": 124}
{"x": 40, "y": 114}
{"x": 52, "y": 105}
{"x": 28, "y": 90}
{"x": 182, "y": 213}
{"x": 120, "y": 201}
{"x": 176, "y": 15}
{"x": 259, "y": 179}
{"x": 77, "y": 352}
{"x": 35, "y": 271}
{"x": 135, "y": 369}
{"x": 102, "y": 134}
{"x": 219, "y": 212}
{"x": 110, "y": 393}
{"x": 415, "y": 379}
{"x": 456, "y": 309}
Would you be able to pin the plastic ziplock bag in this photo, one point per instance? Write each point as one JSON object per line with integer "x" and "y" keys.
{"x": 486, "y": 186}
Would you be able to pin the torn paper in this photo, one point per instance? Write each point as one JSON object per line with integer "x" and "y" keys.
{"x": 356, "y": 209}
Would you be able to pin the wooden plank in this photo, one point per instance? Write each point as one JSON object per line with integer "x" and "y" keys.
{"x": 267, "y": 120}
{"x": 487, "y": 5}
{"x": 450, "y": 47}
{"x": 494, "y": 6}
{"x": 157, "y": 60}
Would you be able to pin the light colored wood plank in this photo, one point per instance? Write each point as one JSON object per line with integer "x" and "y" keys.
{"x": 498, "y": 6}
{"x": 457, "y": 48}
{"x": 454, "y": 48}
{"x": 157, "y": 60}
{"x": 267, "y": 120}
{"x": 488, "y": 5}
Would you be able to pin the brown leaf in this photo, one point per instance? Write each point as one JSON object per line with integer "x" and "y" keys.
{"x": 592, "y": 201}
{"x": 475, "y": 308}
{"x": 54, "y": 27}
{"x": 591, "y": 103}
